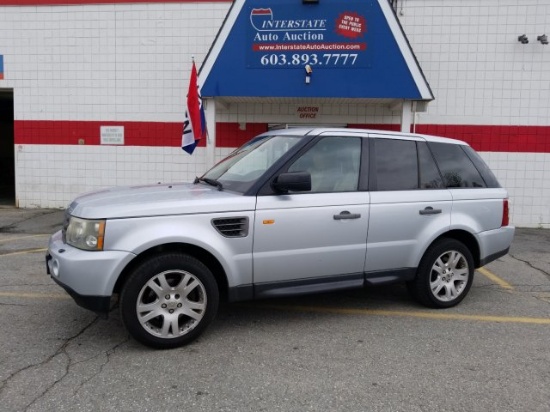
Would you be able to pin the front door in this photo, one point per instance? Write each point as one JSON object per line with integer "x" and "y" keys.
{"x": 317, "y": 236}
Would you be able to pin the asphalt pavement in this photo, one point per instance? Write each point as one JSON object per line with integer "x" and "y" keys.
{"x": 362, "y": 350}
{"x": 31, "y": 221}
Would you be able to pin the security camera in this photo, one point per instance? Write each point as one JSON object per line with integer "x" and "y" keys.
{"x": 543, "y": 39}
{"x": 523, "y": 39}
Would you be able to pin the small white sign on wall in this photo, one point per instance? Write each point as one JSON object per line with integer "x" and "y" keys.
{"x": 112, "y": 135}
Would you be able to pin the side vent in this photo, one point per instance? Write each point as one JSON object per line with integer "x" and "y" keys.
{"x": 232, "y": 227}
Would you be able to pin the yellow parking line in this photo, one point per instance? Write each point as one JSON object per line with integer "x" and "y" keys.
{"x": 34, "y": 295}
{"x": 494, "y": 278}
{"x": 407, "y": 314}
{"x": 343, "y": 311}
{"x": 21, "y": 237}
{"x": 23, "y": 252}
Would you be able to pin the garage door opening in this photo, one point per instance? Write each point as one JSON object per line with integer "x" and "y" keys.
{"x": 7, "y": 157}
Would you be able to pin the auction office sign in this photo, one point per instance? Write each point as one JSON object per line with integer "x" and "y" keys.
{"x": 287, "y": 36}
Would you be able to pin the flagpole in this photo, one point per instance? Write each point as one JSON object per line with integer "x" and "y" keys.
{"x": 210, "y": 113}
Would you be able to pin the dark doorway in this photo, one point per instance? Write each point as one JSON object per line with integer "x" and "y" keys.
{"x": 7, "y": 158}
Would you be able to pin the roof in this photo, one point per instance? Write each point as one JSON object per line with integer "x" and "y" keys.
{"x": 315, "y": 131}
{"x": 355, "y": 51}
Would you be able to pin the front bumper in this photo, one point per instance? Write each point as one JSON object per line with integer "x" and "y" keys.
{"x": 98, "y": 304}
{"x": 89, "y": 277}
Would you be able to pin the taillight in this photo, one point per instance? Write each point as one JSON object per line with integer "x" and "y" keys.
{"x": 505, "y": 213}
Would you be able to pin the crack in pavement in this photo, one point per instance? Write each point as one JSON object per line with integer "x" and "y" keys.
{"x": 60, "y": 350}
{"x": 108, "y": 353}
{"x": 530, "y": 265}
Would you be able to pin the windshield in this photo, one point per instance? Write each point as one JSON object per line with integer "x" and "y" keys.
{"x": 244, "y": 166}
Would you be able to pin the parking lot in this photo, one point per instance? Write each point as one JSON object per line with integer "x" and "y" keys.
{"x": 361, "y": 350}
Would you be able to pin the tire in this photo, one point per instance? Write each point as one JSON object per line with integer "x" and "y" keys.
{"x": 169, "y": 300}
{"x": 444, "y": 276}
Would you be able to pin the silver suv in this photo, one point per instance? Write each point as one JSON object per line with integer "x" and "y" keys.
{"x": 291, "y": 212}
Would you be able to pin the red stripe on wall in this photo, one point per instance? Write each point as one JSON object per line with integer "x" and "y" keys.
{"x": 135, "y": 133}
{"x": 535, "y": 139}
{"x": 233, "y": 135}
{"x": 88, "y": 133}
{"x": 82, "y": 2}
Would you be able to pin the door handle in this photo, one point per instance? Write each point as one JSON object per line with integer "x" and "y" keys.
{"x": 429, "y": 211}
{"x": 347, "y": 215}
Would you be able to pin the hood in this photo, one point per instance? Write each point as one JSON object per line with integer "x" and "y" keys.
{"x": 156, "y": 200}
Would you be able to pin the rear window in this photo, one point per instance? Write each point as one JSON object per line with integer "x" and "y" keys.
{"x": 486, "y": 173}
{"x": 456, "y": 167}
{"x": 404, "y": 165}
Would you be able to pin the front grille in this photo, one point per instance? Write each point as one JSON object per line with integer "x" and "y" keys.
{"x": 232, "y": 227}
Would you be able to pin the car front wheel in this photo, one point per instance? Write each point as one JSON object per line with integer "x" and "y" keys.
{"x": 444, "y": 276}
{"x": 169, "y": 300}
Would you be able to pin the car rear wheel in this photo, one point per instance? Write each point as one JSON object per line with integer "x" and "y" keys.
{"x": 444, "y": 276}
{"x": 169, "y": 300}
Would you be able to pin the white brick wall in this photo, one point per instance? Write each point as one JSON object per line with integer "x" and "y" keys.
{"x": 104, "y": 62}
{"x": 52, "y": 175}
{"x": 470, "y": 54}
{"x": 481, "y": 74}
{"x": 525, "y": 176}
{"x": 131, "y": 62}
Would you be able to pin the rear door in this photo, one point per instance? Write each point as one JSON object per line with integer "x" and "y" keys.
{"x": 409, "y": 206}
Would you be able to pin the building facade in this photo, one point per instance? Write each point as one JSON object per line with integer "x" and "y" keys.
{"x": 92, "y": 93}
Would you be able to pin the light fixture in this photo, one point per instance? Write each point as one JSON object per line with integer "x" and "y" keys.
{"x": 309, "y": 70}
{"x": 523, "y": 39}
{"x": 543, "y": 39}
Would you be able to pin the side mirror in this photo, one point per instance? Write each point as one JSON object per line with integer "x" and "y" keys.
{"x": 294, "y": 181}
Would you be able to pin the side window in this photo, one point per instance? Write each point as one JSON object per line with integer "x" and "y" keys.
{"x": 486, "y": 173}
{"x": 395, "y": 165}
{"x": 456, "y": 167}
{"x": 333, "y": 163}
{"x": 429, "y": 175}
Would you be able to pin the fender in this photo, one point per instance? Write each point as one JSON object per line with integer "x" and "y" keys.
{"x": 136, "y": 235}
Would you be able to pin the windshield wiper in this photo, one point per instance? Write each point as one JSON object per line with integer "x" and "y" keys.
{"x": 211, "y": 182}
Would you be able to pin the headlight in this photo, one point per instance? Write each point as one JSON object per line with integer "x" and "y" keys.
{"x": 85, "y": 234}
